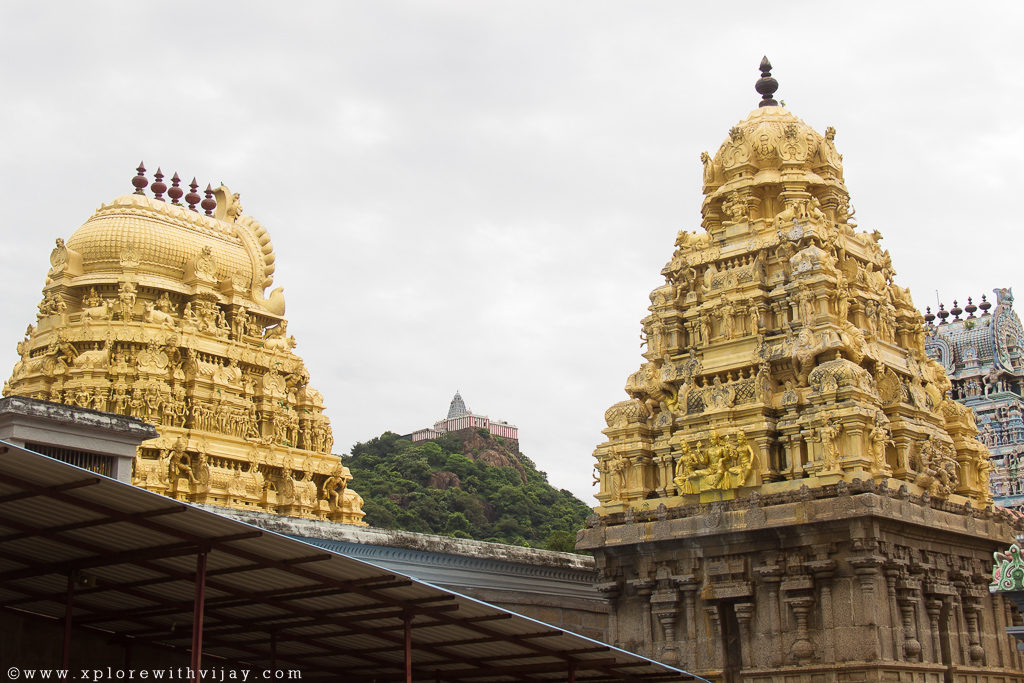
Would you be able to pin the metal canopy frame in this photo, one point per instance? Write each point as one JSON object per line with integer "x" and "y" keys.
{"x": 98, "y": 554}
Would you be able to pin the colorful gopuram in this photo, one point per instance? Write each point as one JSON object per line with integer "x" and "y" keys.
{"x": 789, "y": 493}
{"x": 156, "y": 308}
{"x": 984, "y": 359}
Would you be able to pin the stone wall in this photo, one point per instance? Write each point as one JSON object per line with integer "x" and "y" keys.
{"x": 843, "y": 583}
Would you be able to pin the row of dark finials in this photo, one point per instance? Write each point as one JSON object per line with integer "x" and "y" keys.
{"x": 970, "y": 308}
{"x": 175, "y": 192}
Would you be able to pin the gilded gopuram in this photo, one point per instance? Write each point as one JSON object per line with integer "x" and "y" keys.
{"x": 789, "y": 493}
{"x": 156, "y": 308}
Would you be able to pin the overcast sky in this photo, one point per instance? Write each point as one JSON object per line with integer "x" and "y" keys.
{"x": 480, "y": 195}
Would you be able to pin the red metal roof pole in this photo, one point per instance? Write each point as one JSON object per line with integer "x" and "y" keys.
{"x": 572, "y": 672}
{"x": 67, "y": 620}
{"x": 407, "y": 624}
{"x": 197, "y": 613}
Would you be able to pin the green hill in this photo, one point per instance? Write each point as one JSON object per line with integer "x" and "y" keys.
{"x": 470, "y": 486}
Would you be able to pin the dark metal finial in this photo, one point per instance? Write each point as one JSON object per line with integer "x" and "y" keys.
{"x": 766, "y": 85}
{"x": 175, "y": 192}
{"x": 139, "y": 182}
{"x": 158, "y": 186}
{"x": 193, "y": 197}
{"x": 209, "y": 203}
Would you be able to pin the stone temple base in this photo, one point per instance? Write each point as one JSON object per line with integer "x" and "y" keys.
{"x": 849, "y": 582}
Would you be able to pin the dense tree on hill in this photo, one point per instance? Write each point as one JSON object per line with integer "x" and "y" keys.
{"x": 469, "y": 486}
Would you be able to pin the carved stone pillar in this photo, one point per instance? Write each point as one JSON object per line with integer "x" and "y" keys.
{"x": 786, "y": 466}
{"x": 855, "y": 442}
{"x": 769, "y": 470}
{"x": 643, "y": 588}
{"x": 934, "y": 609}
{"x": 972, "y": 610}
{"x": 611, "y": 591}
{"x": 895, "y": 651}
{"x": 823, "y": 571}
{"x": 744, "y": 613}
{"x": 867, "y": 568}
{"x": 770, "y": 620}
{"x": 1013, "y": 618}
{"x": 961, "y": 621}
{"x": 857, "y": 309}
{"x": 820, "y": 306}
{"x": 907, "y": 596}
{"x": 713, "y": 656}
{"x": 803, "y": 650}
{"x": 958, "y": 629}
{"x": 638, "y": 480}
{"x": 688, "y": 586}
{"x": 664, "y": 466}
{"x": 796, "y": 467}
{"x": 665, "y": 607}
{"x": 903, "y": 444}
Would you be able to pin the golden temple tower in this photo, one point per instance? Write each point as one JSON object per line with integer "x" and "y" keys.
{"x": 789, "y": 495}
{"x": 157, "y": 310}
{"x": 780, "y": 352}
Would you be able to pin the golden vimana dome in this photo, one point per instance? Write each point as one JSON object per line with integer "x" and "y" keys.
{"x": 780, "y": 352}
{"x": 156, "y": 309}
{"x": 770, "y": 160}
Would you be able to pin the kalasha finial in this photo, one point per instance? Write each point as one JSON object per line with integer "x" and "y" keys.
{"x": 159, "y": 186}
{"x": 193, "y": 197}
{"x": 209, "y": 203}
{"x": 766, "y": 85}
{"x": 139, "y": 182}
{"x": 175, "y": 192}
{"x": 929, "y": 317}
{"x": 985, "y": 305}
{"x": 970, "y": 308}
{"x": 956, "y": 310}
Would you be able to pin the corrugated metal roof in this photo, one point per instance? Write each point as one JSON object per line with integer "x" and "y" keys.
{"x": 268, "y": 598}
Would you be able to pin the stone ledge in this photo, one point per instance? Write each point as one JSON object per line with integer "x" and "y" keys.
{"x": 14, "y": 406}
{"x": 764, "y": 514}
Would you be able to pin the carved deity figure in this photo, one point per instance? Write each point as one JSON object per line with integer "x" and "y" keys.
{"x": 938, "y": 470}
{"x": 164, "y": 305}
{"x": 334, "y": 487}
{"x": 842, "y": 298}
{"x": 712, "y": 471}
{"x": 647, "y": 385}
{"x": 806, "y": 305}
{"x": 725, "y": 464}
{"x": 742, "y": 461}
{"x": 686, "y": 465}
{"x": 705, "y": 159}
{"x": 180, "y": 463}
{"x": 92, "y": 299}
{"x": 879, "y": 438}
{"x": 829, "y": 433}
{"x": 727, "y": 311}
{"x": 286, "y": 487}
{"x": 126, "y": 296}
{"x": 238, "y": 322}
{"x": 805, "y": 350}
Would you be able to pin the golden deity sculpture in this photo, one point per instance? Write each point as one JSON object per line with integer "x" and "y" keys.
{"x": 780, "y": 352}
{"x": 156, "y": 310}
